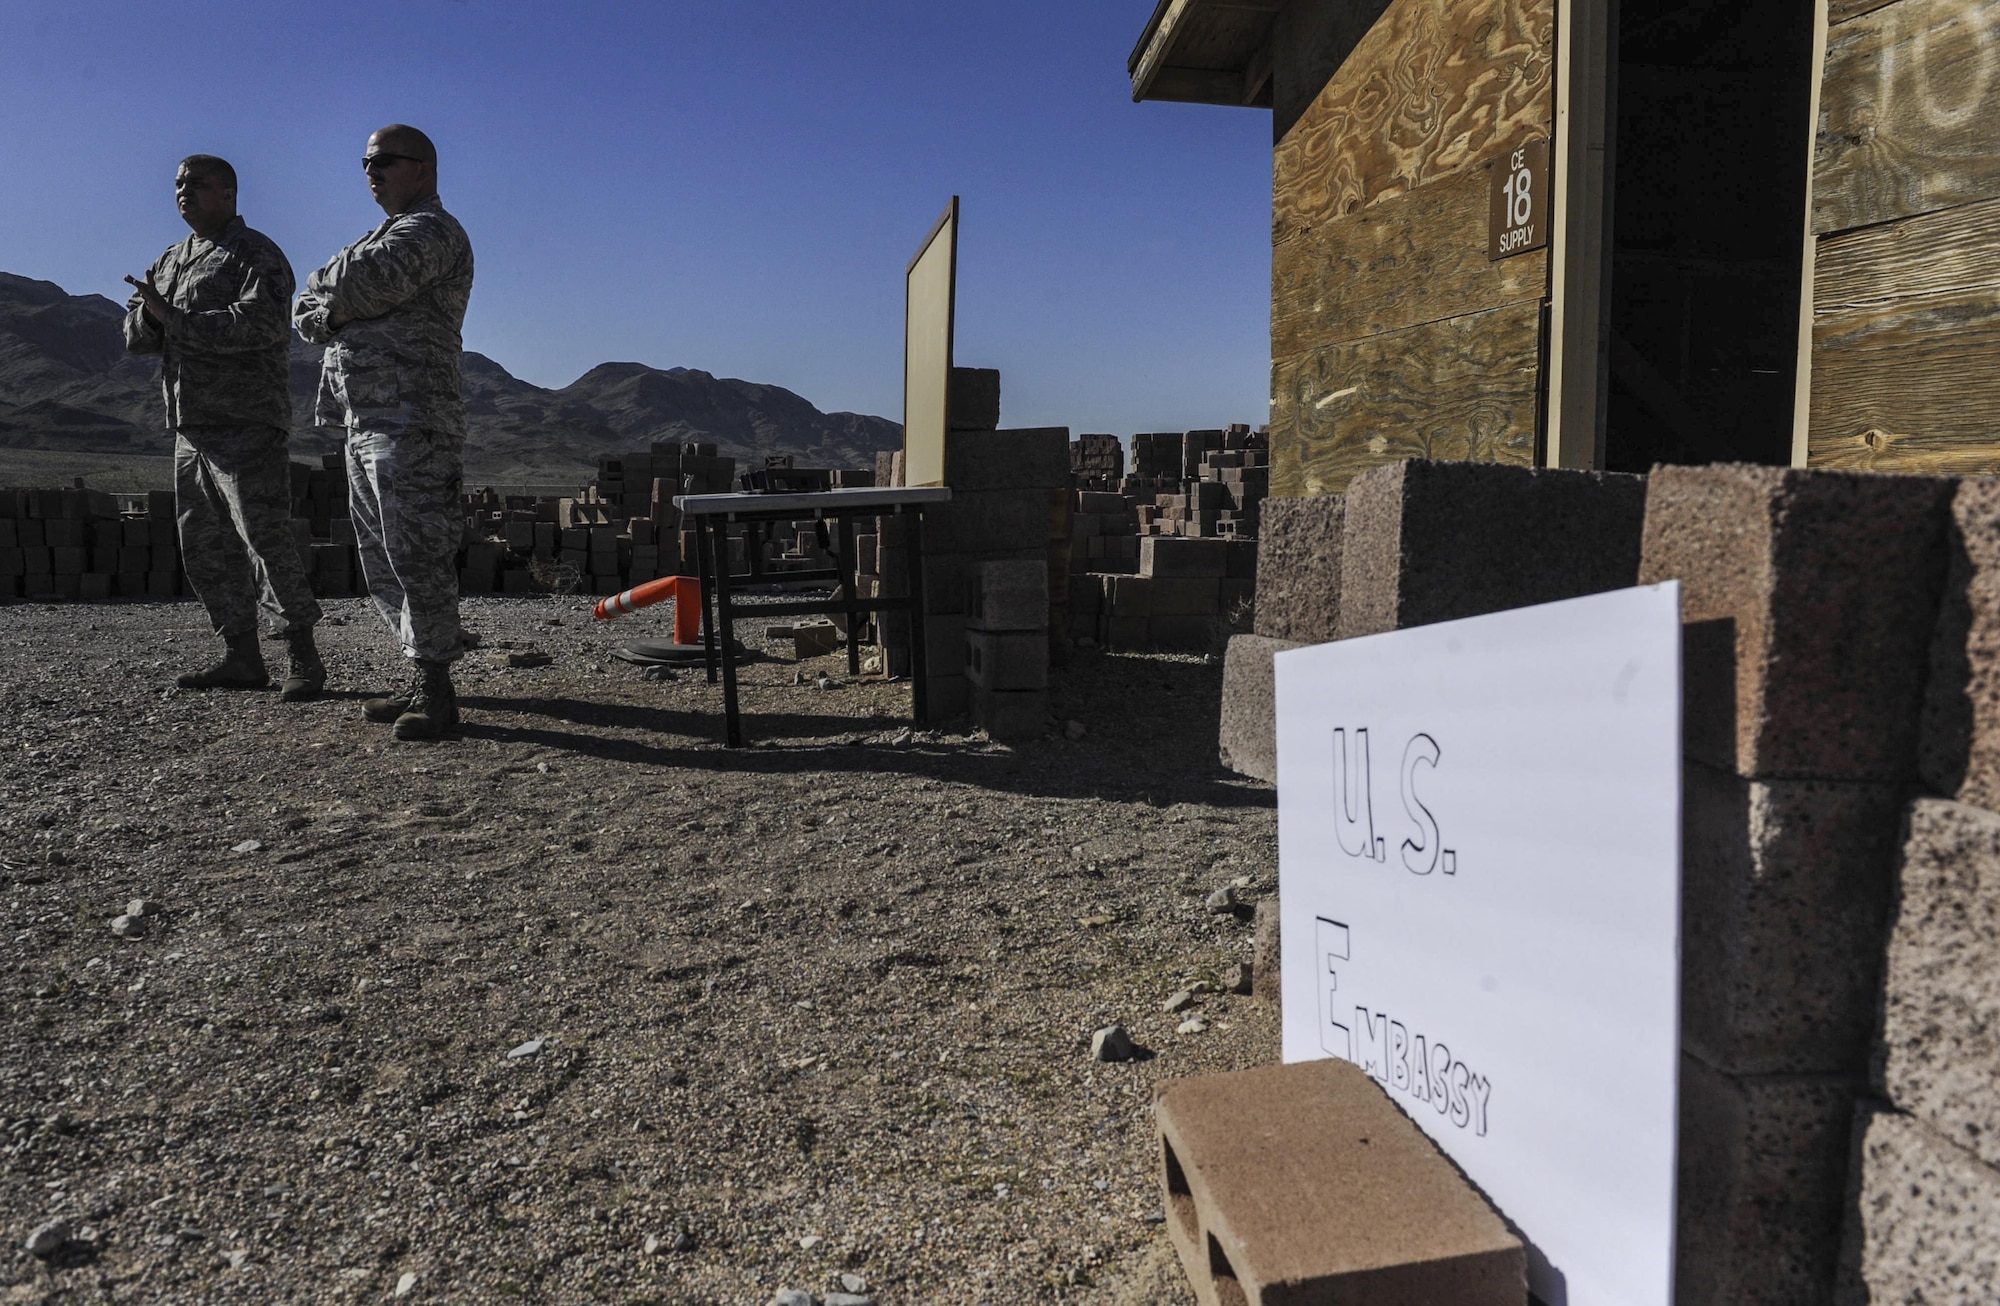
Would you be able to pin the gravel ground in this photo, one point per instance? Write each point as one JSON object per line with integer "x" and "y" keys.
{"x": 581, "y": 1006}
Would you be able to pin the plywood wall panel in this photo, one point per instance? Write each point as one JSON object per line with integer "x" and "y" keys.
{"x": 1435, "y": 86}
{"x": 1910, "y": 95}
{"x": 1906, "y": 346}
{"x": 1464, "y": 388}
{"x": 1419, "y": 257}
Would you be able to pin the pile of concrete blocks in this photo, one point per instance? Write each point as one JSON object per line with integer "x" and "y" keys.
{"x": 1201, "y": 483}
{"x": 1007, "y": 647}
{"x": 1186, "y": 595}
{"x": 1809, "y": 599}
{"x": 1414, "y": 543}
{"x": 1104, "y": 533}
{"x": 1307, "y": 1183}
{"x": 1923, "y": 1224}
{"x": 1010, "y": 502}
{"x": 1097, "y": 462}
{"x": 80, "y": 544}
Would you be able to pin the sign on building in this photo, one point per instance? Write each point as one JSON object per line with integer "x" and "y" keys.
{"x": 1479, "y": 862}
{"x": 1517, "y": 211}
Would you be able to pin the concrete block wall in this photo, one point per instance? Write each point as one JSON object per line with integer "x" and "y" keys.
{"x": 1809, "y": 601}
{"x": 1185, "y": 595}
{"x": 1007, "y": 647}
{"x": 1923, "y": 1224}
{"x": 84, "y": 545}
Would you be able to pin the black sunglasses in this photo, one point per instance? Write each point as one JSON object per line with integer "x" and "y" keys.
{"x": 375, "y": 161}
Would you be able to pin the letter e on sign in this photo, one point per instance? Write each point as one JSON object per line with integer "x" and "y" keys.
{"x": 1518, "y": 211}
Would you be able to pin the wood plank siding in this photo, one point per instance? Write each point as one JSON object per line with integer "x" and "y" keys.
{"x": 1906, "y": 216}
{"x": 1391, "y": 334}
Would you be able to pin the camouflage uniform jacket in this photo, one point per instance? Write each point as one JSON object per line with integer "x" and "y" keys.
{"x": 223, "y": 350}
{"x": 393, "y": 364}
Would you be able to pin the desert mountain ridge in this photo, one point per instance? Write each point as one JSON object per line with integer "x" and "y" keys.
{"x": 67, "y": 384}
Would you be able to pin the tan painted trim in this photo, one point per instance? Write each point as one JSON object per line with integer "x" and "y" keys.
{"x": 1802, "y": 385}
{"x": 1577, "y": 288}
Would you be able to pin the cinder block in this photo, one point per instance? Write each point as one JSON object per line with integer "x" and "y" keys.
{"x": 1304, "y": 1183}
{"x": 1249, "y": 735}
{"x": 1826, "y": 588}
{"x": 1171, "y": 555}
{"x": 1763, "y": 1186}
{"x": 1034, "y": 458}
{"x": 944, "y": 642}
{"x": 948, "y": 576}
{"x": 973, "y": 398}
{"x": 1086, "y": 595}
{"x": 1941, "y": 992}
{"x": 1012, "y": 595}
{"x": 1786, "y": 892}
{"x": 1186, "y": 596}
{"x": 1926, "y": 1220}
{"x": 1182, "y": 634}
{"x": 1009, "y": 660}
{"x": 1266, "y": 957}
{"x": 986, "y": 522}
{"x": 1959, "y": 744}
{"x": 1298, "y": 569}
{"x": 1128, "y": 596}
{"x": 1125, "y": 634}
{"x": 949, "y": 697}
{"x": 1423, "y": 542}
{"x": 1011, "y": 714}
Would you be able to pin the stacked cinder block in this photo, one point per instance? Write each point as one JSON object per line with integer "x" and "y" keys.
{"x": 1096, "y": 462}
{"x": 1810, "y": 599}
{"x": 1423, "y": 542}
{"x": 77, "y": 544}
{"x": 1298, "y": 603}
{"x": 1104, "y": 533}
{"x": 1202, "y": 483}
{"x": 1924, "y": 1221}
{"x": 1306, "y": 1183}
{"x": 1007, "y": 647}
{"x": 1004, "y": 486}
{"x": 1183, "y": 596}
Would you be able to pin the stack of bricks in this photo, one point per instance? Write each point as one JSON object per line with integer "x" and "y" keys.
{"x": 620, "y": 530}
{"x": 1810, "y": 599}
{"x": 1202, "y": 483}
{"x": 1097, "y": 462}
{"x": 1185, "y": 595}
{"x": 1104, "y": 533}
{"x": 1007, "y": 647}
{"x": 76, "y": 544}
{"x": 322, "y": 529}
{"x": 1924, "y": 1219}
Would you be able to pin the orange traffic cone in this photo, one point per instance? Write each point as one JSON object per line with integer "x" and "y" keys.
{"x": 685, "y": 591}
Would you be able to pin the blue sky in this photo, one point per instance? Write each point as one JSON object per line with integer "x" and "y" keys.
{"x": 734, "y": 186}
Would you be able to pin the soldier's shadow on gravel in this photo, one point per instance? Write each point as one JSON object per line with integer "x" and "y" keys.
{"x": 1044, "y": 768}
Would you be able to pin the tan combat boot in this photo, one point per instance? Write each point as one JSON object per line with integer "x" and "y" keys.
{"x": 389, "y": 708}
{"x": 305, "y": 674}
{"x": 242, "y": 667}
{"x": 434, "y": 706}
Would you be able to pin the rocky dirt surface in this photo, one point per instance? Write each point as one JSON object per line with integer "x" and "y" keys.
{"x": 581, "y": 1006}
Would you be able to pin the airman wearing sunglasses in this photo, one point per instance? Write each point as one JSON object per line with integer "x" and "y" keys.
{"x": 389, "y": 309}
{"x": 213, "y": 308}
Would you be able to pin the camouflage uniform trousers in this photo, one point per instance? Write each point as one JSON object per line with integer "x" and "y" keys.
{"x": 403, "y": 494}
{"x": 233, "y": 498}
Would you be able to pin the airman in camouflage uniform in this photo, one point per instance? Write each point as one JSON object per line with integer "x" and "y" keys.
{"x": 389, "y": 309}
{"x": 213, "y": 307}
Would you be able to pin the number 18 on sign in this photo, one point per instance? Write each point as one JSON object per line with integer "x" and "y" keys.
{"x": 1517, "y": 216}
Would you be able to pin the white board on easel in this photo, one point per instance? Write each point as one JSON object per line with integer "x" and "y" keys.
{"x": 1479, "y": 866}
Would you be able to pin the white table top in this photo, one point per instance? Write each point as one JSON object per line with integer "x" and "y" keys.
{"x": 807, "y": 502}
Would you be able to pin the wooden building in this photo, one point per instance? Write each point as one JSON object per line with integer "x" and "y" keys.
{"x": 1760, "y": 234}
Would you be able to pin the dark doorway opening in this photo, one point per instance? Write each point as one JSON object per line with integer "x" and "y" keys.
{"x": 1707, "y": 229}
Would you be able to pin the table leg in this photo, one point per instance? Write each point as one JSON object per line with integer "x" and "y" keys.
{"x": 725, "y": 634}
{"x": 845, "y": 560}
{"x": 704, "y": 567}
{"x": 913, "y": 532}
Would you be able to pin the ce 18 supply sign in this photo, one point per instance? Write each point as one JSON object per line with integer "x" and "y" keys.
{"x": 1479, "y": 864}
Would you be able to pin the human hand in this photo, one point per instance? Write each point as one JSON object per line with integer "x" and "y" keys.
{"x": 156, "y": 304}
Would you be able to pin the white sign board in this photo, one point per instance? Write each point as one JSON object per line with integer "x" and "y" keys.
{"x": 1479, "y": 863}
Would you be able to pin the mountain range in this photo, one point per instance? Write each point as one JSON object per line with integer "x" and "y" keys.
{"x": 67, "y": 384}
